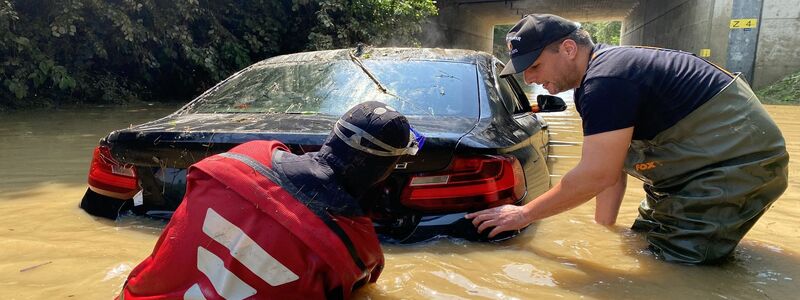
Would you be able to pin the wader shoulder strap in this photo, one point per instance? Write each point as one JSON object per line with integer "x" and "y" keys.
{"x": 320, "y": 212}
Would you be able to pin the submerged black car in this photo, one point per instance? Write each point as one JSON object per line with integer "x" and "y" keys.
{"x": 484, "y": 144}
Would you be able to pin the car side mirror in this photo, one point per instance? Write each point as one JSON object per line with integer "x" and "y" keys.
{"x": 548, "y": 103}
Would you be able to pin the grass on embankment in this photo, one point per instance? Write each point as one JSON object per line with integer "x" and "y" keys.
{"x": 785, "y": 91}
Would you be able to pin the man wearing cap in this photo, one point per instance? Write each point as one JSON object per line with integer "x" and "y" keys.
{"x": 711, "y": 158}
{"x": 260, "y": 222}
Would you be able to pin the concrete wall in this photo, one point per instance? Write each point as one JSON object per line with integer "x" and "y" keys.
{"x": 688, "y": 25}
{"x": 691, "y": 25}
{"x": 458, "y": 27}
{"x": 779, "y": 41}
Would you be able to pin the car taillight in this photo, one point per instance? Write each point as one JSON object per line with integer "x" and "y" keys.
{"x": 111, "y": 178}
{"x": 469, "y": 183}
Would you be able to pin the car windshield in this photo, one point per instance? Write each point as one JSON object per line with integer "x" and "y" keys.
{"x": 431, "y": 88}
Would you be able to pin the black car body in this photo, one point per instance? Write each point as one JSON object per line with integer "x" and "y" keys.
{"x": 484, "y": 145}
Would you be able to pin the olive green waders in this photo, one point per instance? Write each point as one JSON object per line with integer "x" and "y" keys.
{"x": 709, "y": 177}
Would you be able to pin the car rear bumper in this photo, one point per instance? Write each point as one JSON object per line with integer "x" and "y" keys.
{"x": 446, "y": 226}
{"x": 100, "y": 205}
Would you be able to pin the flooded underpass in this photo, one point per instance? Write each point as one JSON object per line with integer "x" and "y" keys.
{"x": 50, "y": 249}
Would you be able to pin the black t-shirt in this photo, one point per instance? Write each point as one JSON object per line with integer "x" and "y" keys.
{"x": 650, "y": 89}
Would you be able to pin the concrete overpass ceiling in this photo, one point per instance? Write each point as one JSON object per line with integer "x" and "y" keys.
{"x": 766, "y": 52}
{"x": 510, "y": 11}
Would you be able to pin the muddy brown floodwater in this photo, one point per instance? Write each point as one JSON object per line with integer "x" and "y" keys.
{"x": 50, "y": 249}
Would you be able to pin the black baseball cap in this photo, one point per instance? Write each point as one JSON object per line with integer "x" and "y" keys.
{"x": 529, "y": 36}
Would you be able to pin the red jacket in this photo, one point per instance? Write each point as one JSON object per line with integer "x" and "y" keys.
{"x": 238, "y": 234}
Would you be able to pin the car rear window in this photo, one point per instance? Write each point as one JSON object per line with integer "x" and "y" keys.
{"x": 433, "y": 88}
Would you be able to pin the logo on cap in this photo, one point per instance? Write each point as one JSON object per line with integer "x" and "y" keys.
{"x": 511, "y": 49}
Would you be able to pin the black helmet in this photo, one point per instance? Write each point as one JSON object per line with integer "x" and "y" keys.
{"x": 366, "y": 143}
{"x": 361, "y": 150}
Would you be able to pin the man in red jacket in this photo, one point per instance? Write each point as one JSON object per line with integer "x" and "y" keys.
{"x": 259, "y": 222}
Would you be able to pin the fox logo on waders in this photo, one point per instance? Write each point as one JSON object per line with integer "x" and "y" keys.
{"x": 645, "y": 166}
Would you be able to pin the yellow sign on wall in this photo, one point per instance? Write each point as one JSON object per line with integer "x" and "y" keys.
{"x": 705, "y": 52}
{"x": 743, "y": 23}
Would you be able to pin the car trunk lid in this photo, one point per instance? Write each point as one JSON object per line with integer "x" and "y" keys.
{"x": 177, "y": 141}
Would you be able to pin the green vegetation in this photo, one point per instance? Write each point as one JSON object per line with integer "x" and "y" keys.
{"x": 604, "y": 32}
{"x": 601, "y": 32}
{"x": 785, "y": 91}
{"x": 499, "y": 46}
{"x": 56, "y": 52}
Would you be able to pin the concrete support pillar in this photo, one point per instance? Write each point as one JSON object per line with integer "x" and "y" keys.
{"x": 743, "y": 37}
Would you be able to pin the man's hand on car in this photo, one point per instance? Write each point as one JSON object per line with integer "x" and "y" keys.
{"x": 502, "y": 218}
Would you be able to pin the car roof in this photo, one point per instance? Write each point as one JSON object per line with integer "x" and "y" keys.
{"x": 430, "y": 54}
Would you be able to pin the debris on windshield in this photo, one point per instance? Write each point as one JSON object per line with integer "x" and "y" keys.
{"x": 371, "y": 76}
{"x": 430, "y": 82}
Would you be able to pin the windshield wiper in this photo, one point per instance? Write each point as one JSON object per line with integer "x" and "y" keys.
{"x": 374, "y": 79}
{"x": 360, "y": 64}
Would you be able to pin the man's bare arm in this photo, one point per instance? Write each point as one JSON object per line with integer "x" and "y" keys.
{"x": 599, "y": 168}
{"x": 609, "y": 201}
